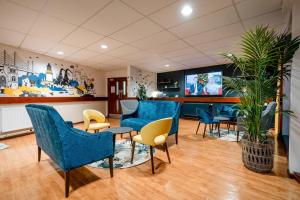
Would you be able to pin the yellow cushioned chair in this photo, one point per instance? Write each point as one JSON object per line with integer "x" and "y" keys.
{"x": 89, "y": 115}
{"x": 154, "y": 134}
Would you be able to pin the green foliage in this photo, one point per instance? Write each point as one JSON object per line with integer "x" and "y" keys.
{"x": 262, "y": 65}
{"x": 141, "y": 93}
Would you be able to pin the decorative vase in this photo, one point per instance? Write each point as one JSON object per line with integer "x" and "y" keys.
{"x": 258, "y": 157}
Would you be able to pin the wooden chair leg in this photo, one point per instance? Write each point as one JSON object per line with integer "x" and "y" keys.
{"x": 218, "y": 129}
{"x": 67, "y": 183}
{"x": 132, "y": 152}
{"x": 228, "y": 127}
{"x": 237, "y": 136}
{"x": 111, "y": 166}
{"x": 198, "y": 127}
{"x": 176, "y": 137}
{"x": 152, "y": 162}
{"x": 130, "y": 137}
{"x": 204, "y": 130}
{"x": 121, "y": 135}
{"x": 95, "y": 131}
{"x": 39, "y": 154}
{"x": 167, "y": 151}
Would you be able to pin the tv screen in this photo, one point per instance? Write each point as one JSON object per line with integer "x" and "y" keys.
{"x": 204, "y": 84}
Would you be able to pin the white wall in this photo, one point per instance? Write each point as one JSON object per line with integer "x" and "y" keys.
{"x": 138, "y": 76}
{"x": 294, "y": 139}
{"x": 15, "y": 117}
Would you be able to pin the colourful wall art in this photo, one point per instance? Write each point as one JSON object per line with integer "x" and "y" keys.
{"x": 29, "y": 77}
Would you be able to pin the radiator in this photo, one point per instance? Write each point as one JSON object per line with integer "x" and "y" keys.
{"x": 15, "y": 117}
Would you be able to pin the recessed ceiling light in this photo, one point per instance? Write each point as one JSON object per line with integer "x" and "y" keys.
{"x": 103, "y": 46}
{"x": 186, "y": 10}
{"x": 60, "y": 53}
{"x": 229, "y": 55}
{"x": 167, "y": 65}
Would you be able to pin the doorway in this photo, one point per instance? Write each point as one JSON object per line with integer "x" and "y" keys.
{"x": 117, "y": 90}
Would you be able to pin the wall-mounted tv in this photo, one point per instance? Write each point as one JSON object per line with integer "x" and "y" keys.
{"x": 204, "y": 84}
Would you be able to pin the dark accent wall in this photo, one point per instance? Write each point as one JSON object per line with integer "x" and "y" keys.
{"x": 166, "y": 81}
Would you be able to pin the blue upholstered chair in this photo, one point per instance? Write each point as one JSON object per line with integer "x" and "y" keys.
{"x": 149, "y": 111}
{"x": 206, "y": 117}
{"x": 68, "y": 147}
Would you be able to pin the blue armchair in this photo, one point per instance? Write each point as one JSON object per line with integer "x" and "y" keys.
{"x": 68, "y": 147}
{"x": 149, "y": 111}
{"x": 206, "y": 117}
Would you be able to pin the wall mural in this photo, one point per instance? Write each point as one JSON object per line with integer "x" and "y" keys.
{"x": 138, "y": 76}
{"x": 30, "y": 78}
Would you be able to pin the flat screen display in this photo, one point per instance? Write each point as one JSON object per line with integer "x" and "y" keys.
{"x": 204, "y": 84}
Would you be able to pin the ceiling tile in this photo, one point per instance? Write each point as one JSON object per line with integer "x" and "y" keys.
{"x": 112, "y": 18}
{"x": 33, "y": 4}
{"x": 15, "y": 17}
{"x": 11, "y": 37}
{"x": 36, "y": 44}
{"x": 170, "y": 46}
{"x": 217, "y": 46}
{"x": 251, "y": 8}
{"x": 74, "y": 12}
{"x": 51, "y": 28}
{"x": 216, "y": 34}
{"x": 272, "y": 19}
{"x": 138, "y": 30}
{"x": 101, "y": 58}
{"x": 111, "y": 43}
{"x": 221, "y": 18}
{"x": 138, "y": 56}
{"x": 67, "y": 49}
{"x": 187, "y": 57}
{"x": 146, "y": 7}
{"x": 171, "y": 16}
{"x": 154, "y": 40}
{"x": 81, "y": 55}
{"x": 123, "y": 51}
{"x": 180, "y": 52}
{"x": 81, "y": 38}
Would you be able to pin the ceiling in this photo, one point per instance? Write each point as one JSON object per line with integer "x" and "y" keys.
{"x": 149, "y": 34}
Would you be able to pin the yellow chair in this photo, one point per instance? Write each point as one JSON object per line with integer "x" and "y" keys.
{"x": 89, "y": 115}
{"x": 154, "y": 134}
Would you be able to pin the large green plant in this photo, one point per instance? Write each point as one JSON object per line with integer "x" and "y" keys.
{"x": 141, "y": 93}
{"x": 264, "y": 53}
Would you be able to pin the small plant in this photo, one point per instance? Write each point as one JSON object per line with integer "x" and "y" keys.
{"x": 141, "y": 93}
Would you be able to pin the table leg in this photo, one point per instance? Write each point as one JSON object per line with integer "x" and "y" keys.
{"x": 130, "y": 137}
{"x": 114, "y": 142}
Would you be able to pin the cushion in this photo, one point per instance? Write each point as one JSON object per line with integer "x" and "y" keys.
{"x": 97, "y": 126}
{"x": 135, "y": 123}
{"x": 154, "y": 110}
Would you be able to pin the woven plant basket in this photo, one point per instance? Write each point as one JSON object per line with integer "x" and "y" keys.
{"x": 258, "y": 157}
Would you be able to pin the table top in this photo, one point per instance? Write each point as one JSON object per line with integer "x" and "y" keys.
{"x": 119, "y": 130}
{"x": 221, "y": 118}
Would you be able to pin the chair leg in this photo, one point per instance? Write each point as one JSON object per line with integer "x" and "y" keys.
{"x": 152, "y": 162}
{"x": 167, "y": 151}
{"x": 121, "y": 135}
{"x": 176, "y": 137}
{"x": 95, "y": 131}
{"x": 39, "y": 154}
{"x": 111, "y": 166}
{"x": 228, "y": 127}
{"x": 237, "y": 136}
{"x": 67, "y": 183}
{"x": 132, "y": 152}
{"x": 198, "y": 127}
{"x": 130, "y": 137}
{"x": 204, "y": 130}
{"x": 218, "y": 125}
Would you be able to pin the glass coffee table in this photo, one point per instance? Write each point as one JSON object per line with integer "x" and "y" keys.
{"x": 119, "y": 130}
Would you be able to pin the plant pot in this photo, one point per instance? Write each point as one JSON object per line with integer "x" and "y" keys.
{"x": 258, "y": 157}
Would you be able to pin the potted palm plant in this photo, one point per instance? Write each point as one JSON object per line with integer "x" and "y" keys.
{"x": 262, "y": 64}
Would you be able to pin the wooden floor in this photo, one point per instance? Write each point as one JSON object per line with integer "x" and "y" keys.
{"x": 200, "y": 169}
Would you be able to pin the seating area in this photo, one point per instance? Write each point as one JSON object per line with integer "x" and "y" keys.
{"x": 149, "y": 99}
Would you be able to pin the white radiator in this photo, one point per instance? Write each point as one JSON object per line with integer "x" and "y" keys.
{"x": 14, "y": 117}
